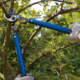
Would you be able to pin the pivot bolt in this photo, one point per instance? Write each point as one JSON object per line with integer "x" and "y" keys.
{"x": 13, "y": 18}
{"x": 16, "y": 30}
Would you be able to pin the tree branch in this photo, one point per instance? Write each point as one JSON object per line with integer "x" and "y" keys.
{"x": 6, "y": 41}
{"x": 5, "y": 1}
{"x": 64, "y": 11}
{"x": 63, "y": 2}
{"x": 28, "y": 6}
{"x": 5, "y": 45}
{"x": 62, "y": 5}
{"x": 12, "y": 5}
{"x": 3, "y": 9}
{"x": 63, "y": 47}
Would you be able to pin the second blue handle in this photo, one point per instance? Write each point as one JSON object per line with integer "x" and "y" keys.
{"x": 50, "y": 26}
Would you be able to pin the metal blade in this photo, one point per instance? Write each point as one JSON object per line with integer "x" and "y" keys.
{"x": 10, "y": 12}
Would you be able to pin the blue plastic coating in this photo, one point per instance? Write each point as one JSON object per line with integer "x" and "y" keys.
{"x": 50, "y": 26}
{"x": 19, "y": 55}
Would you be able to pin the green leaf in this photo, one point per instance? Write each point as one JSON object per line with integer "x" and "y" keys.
{"x": 1, "y": 76}
{"x": 78, "y": 1}
{"x": 46, "y": 1}
{"x": 44, "y": 9}
{"x": 15, "y": 4}
{"x": 56, "y": 67}
{"x": 63, "y": 65}
{"x": 56, "y": 3}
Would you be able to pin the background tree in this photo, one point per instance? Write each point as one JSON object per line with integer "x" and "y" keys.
{"x": 47, "y": 54}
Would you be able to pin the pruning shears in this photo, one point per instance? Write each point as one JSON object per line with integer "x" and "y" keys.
{"x": 13, "y": 18}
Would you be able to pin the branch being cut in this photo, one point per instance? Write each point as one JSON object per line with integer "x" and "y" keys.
{"x": 3, "y": 9}
{"x": 12, "y": 5}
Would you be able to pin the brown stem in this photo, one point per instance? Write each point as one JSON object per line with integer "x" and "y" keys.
{"x": 63, "y": 47}
{"x": 62, "y": 5}
{"x": 28, "y": 6}
{"x": 3, "y": 9}
{"x": 64, "y": 11}
{"x": 64, "y": 1}
{"x": 6, "y": 41}
{"x": 12, "y": 5}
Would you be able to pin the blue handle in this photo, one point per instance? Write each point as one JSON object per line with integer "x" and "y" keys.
{"x": 50, "y": 26}
{"x": 19, "y": 55}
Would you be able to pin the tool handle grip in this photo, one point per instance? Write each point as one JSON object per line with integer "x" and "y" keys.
{"x": 50, "y": 26}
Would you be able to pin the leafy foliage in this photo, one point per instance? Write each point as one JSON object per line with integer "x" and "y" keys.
{"x": 62, "y": 63}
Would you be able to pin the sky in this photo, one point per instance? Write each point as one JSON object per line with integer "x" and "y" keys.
{"x": 38, "y": 7}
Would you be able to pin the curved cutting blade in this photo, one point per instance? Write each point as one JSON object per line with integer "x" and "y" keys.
{"x": 10, "y": 12}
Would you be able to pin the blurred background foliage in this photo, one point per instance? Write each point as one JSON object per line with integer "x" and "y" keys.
{"x": 65, "y": 60}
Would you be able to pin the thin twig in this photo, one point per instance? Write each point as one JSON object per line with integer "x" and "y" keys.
{"x": 64, "y": 1}
{"x": 63, "y": 47}
{"x": 62, "y": 5}
{"x": 27, "y": 7}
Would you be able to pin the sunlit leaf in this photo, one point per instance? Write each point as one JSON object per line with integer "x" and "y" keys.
{"x": 44, "y": 9}
{"x": 1, "y": 76}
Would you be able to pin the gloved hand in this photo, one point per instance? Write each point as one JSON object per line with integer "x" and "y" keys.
{"x": 75, "y": 34}
{"x": 28, "y": 77}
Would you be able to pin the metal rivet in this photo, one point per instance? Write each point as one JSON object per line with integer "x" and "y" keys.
{"x": 31, "y": 20}
{"x": 13, "y": 18}
{"x": 14, "y": 36}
